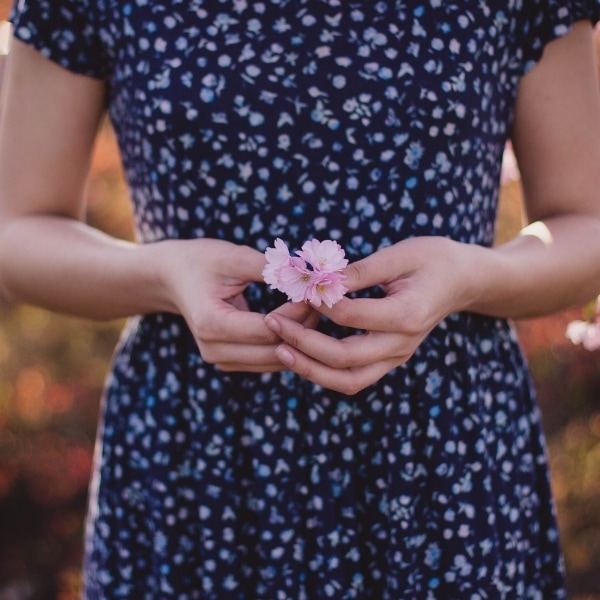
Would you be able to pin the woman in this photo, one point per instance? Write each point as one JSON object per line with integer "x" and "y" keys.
{"x": 389, "y": 446}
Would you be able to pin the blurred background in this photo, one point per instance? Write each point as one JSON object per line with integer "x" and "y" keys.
{"x": 51, "y": 374}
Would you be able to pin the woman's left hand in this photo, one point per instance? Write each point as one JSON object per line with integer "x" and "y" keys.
{"x": 424, "y": 280}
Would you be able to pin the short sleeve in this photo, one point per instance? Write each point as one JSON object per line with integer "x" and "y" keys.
{"x": 64, "y": 31}
{"x": 551, "y": 19}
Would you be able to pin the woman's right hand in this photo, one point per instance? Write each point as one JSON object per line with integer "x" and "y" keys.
{"x": 205, "y": 280}
{"x": 48, "y": 257}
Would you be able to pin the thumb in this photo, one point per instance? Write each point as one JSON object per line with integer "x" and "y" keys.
{"x": 371, "y": 271}
{"x": 246, "y": 264}
{"x": 379, "y": 268}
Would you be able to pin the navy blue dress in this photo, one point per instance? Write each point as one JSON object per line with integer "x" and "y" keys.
{"x": 363, "y": 122}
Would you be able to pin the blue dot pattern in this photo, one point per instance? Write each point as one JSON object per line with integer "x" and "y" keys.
{"x": 367, "y": 123}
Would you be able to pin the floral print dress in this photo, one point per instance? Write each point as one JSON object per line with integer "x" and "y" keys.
{"x": 362, "y": 122}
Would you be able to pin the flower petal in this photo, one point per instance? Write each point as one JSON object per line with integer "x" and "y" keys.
{"x": 327, "y": 256}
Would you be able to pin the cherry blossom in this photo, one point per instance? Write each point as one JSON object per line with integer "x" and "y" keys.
{"x": 327, "y": 288}
{"x": 587, "y": 333}
{"x": 326, "y": 256}
{"x": 314, "y": 275}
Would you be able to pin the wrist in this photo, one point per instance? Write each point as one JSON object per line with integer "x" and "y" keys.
{"x": 159, "y": 262}
{"x": 481, "y": 273}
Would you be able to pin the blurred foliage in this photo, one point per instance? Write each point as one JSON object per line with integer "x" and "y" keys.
{"x": 51, "y": 373}
{"x": 567, "y": 381}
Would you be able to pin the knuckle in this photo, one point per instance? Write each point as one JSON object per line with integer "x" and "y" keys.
{"x": 352, "y": 386}
{"x": 292, "y": 338}
{"x": 345, "y": 316}
{"x": 357, "y": 274}
{"x": 338, "y": 360}
{"x": 240, "y": 253}
{"x": 208, "y": 354}
{"x": 305, "y": 371}
{"x": 201, "y": 327}
{"x": 226, "y": 368}
{"x": 414, "y": 319}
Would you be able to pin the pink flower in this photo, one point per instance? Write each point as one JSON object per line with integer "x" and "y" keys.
{"x": 585, "y": 333}
{"x": 325, "y": 256}
{"x": 327, "y": 288}
{"x": 296, "y": 282}
{"x": 312, "y": 276}
{"x": 277, "y": 257}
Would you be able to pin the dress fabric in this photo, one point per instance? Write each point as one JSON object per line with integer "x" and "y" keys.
{"x": 363, "y": 122}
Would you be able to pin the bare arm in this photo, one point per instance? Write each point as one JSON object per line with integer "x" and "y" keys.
{"x": 553, "y": 264}
{"x": 50, "y": 257}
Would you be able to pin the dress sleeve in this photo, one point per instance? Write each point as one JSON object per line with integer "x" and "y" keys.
{"x": 551, "y": 19}
{"x": 64, "y": 31}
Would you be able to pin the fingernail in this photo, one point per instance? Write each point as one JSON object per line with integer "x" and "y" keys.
{"x": 272, "y": 324}
{"x": 285, "y": 356}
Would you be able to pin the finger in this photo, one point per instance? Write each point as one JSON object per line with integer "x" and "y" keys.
{"x": 297, "y": 311}
{"x": 229, "y": 356}
{"x": 225, "y": 323}
{"x": 312, "y": 320}
{"x": 387, "y": 314}
{"x": 301, "y": 312}
{"x": 372, "y": 270}
{"x": 350, "y": 352}
{"x": 346, "y": 381}
{"x": 243, "y": 263}
{"x": 244, "y": 368}
{"x": 239, "y": 302}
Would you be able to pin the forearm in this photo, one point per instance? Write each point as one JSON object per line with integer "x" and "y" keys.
{"x": 552, "y": 265}
{"x": 66, "y": 266}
